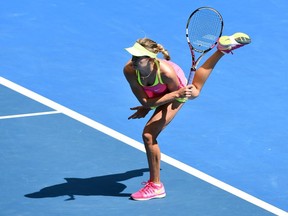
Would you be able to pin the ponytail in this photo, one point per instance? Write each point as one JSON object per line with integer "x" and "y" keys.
{"x": 164, "y": 52}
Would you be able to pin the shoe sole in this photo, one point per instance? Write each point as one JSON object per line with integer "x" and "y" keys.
{"x": 240, "y": 38}
{"x": 149, "y": 198}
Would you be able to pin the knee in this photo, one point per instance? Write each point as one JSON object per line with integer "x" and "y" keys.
{"x": 148, "y": 138}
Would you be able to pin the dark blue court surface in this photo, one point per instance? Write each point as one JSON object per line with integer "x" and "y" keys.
{"x": 52, "y": 164}
{"x": 224, "y": 154}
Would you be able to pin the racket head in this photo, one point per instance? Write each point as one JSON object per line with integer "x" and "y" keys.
{"x": 204, "y": 27}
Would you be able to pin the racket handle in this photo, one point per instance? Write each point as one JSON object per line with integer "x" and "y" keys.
{"x": 191, "y": 77}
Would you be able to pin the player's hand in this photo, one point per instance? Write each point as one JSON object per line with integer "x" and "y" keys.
{"x": 141, "y": 112}
{"x": 190, "y": 92}
{"x": 186, "y": 91}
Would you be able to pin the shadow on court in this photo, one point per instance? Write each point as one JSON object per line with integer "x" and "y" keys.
{"x": 95, "y": 186}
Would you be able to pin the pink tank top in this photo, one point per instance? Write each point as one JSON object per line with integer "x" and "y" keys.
{"x": 159, "y": 88}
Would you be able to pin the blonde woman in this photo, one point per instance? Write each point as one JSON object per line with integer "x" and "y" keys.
{"x": 160, "y": 85}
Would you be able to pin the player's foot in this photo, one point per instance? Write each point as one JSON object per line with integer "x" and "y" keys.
{"x": 228, "y": 43}
{"x": 149, "y": 191}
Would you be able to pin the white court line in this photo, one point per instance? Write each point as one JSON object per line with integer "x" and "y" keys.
{"x": 140, "y": 146}
{"x": 29, "y": 115}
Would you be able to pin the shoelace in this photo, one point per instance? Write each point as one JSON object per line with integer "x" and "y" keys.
{"x": 148, "y": 188}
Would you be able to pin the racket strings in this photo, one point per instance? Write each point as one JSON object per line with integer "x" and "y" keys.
{"x": 204, "y": 28}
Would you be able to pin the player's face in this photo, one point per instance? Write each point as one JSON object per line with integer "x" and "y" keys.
{"x": 140, "y": 62}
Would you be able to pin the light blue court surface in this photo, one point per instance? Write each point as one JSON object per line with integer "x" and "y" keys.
{"x": 224, "y": 154}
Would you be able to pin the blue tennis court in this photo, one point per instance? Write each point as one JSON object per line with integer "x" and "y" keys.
{"x": 68, "y": 148}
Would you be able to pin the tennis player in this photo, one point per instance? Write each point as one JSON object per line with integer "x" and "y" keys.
{"x": 160, "y": 85}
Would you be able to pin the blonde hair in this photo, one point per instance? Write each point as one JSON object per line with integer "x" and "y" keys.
{"x": 152, "y": 46}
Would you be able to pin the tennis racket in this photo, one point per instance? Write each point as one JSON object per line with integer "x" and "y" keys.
{"x": 203, "y": 28}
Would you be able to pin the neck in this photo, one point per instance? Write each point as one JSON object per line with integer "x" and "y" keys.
{"x": 144, "y": 77}
{"x": 151, "y": 68}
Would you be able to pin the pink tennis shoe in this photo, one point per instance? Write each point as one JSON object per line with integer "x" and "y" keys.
{"x": 149, "y": 191}
{"x": 228, "y": 43}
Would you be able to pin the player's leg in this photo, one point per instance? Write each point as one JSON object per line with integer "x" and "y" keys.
{"x": 226, "y": 44}
{"x": 204, "y": 71}
{"x": 162, "y": 116}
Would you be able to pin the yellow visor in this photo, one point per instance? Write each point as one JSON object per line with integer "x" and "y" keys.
{"x": 138, "y": 50}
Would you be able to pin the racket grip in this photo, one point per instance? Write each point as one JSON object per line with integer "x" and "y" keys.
{"x": 191, "y": 77}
